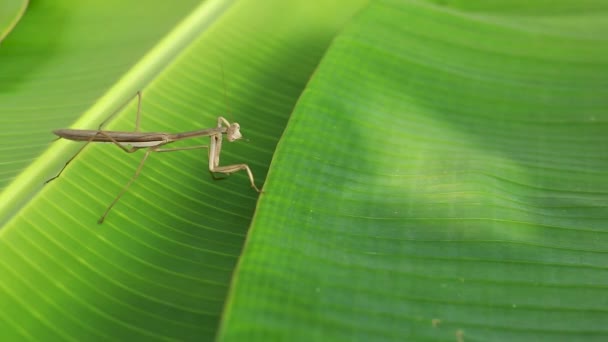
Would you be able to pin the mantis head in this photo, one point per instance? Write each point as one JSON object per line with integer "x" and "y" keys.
{"x": 234, "y": 132}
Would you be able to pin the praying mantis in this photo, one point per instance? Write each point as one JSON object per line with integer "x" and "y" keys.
{"x": 130, "y": 142}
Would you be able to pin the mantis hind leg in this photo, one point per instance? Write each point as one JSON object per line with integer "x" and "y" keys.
{"x": 126, "y": 187}
{"x": 100, "y": 132}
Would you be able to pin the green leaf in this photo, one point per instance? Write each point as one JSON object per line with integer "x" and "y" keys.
{"x": 10, "y": 13}
{"x": 160, "y": 266}
{"x": 443, "y": 177}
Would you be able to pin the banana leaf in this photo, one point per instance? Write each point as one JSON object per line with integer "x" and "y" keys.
{"x": 441, "y": 177}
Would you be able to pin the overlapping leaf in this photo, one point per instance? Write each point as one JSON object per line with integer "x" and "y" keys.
{"x": 443, "y": 177}
{"x": 10, "y": 13}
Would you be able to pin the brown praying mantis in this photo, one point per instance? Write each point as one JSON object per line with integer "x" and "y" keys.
{"x": 130, "y": 142}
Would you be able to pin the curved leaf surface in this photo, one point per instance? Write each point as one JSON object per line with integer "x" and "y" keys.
{"x": 443, "y": 177}
{"x": 10, "y": 13}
